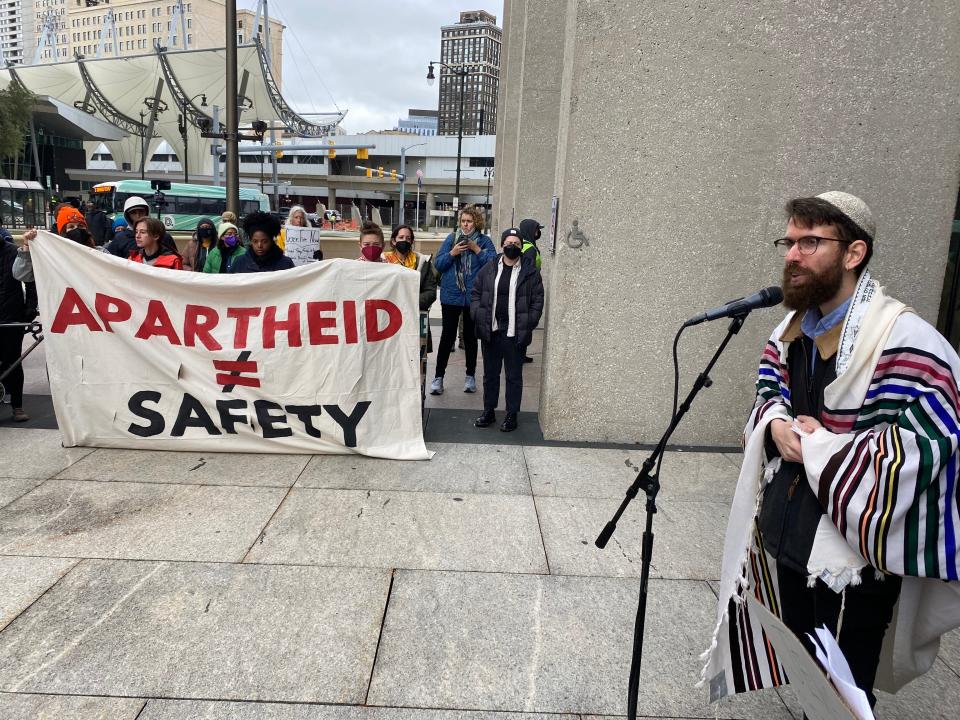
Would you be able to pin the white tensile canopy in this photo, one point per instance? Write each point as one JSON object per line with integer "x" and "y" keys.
{"x": 120, "y": 91}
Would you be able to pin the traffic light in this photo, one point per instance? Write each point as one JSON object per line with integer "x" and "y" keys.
{"x": 279, "y": 153}
{"x": 369, "y": 172}
{"x": 331, "y": 153}
{"x": 380, "y": 171}
{"x": 363, "y": 154}
{"x": 393, "y": 174}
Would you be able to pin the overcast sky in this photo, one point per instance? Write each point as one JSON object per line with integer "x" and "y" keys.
{"x": 366, "y": 56}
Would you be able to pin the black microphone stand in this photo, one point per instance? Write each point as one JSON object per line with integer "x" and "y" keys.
{"x": 650, "y": 484}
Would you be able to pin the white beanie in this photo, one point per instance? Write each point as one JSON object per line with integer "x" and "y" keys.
{"x": 854, "y": 208}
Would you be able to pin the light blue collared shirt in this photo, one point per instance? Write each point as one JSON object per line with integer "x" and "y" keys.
{"x": 814, "y": 324}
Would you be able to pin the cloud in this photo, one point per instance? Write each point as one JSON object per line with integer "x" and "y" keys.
{"x": 368, "y": 56}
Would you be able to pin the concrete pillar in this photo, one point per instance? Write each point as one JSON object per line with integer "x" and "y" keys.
{"x": 331, "y": 197}
{"x": 681, "y": 134}
{"x": 431, "y": 204}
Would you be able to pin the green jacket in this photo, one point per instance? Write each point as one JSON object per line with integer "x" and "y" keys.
{"x": 215, "y": 258}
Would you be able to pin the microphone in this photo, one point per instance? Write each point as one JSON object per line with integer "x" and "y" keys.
{"x": 767, "y": 297}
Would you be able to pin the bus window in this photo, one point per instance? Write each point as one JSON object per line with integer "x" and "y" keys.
{"x": 249, "y": 206}
{"x": 209, "y": 207}
{"x": 185, "y": 205}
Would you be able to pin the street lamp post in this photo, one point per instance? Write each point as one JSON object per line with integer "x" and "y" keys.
{"x": 488, "y": 174}
{"x": 403, "y": 177}
{"x": 462, "y": 72}
{"x": 183, "y": 123}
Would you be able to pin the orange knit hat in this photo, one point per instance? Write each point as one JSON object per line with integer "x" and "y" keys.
{"x": 69, "y": 214}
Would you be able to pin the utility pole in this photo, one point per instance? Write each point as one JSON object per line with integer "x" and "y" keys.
{"x": 233, "y": 155}
{"x": 403, "y": 177}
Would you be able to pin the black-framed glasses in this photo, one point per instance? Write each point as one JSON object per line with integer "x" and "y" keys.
{"x": 807, "y": 244}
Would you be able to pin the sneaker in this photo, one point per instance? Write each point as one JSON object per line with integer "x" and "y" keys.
{"x": 527, "y": 359}
{"x": 436, "y": 387}
{"x": 488, "y": 418}
{"x": 19, "y": 415}
{"x": 470, "y": 384}
{"x": 509, "y": 423}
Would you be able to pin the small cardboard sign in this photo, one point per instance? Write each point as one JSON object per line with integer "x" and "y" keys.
{"x": 301, "y": 244}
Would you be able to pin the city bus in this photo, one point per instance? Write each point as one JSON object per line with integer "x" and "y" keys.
{"x": 185, "y": 204}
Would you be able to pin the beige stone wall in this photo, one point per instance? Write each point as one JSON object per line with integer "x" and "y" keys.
{"x": 681, "y": 132}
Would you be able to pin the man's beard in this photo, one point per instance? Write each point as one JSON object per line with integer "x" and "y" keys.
{"x": 818, "y": 289}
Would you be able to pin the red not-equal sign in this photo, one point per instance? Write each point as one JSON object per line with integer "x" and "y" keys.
{"x": 232, "y": 371}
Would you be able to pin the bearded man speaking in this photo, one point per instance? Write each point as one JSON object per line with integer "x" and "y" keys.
{"x": 846, "y": 510}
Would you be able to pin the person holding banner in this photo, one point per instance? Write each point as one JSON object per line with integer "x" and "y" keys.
{"x": 70, "y": 224}
{"x": 264, "y": 254}
{"x": 228, "y": 249}
{"x": 371, "y": 243}
{"x": 148, "y": 235}
{"x": 401, "y": 240}
{"x": 458, "y": 261}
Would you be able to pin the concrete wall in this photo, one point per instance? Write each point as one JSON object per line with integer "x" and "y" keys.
{"x": 703, "y": 119}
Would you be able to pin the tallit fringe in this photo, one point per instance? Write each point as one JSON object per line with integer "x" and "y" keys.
{"x": 742, "y": 583}
{"x": 835, "y": 579}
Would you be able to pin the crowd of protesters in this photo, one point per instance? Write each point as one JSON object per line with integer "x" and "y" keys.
{"x": 496, "y": 298}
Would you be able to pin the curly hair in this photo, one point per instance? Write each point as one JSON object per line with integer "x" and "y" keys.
{"x": 477, "y": 215}
{"x": 264, "y": 221}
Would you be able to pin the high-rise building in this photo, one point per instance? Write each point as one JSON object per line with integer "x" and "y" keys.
{"x": 472, "y": 44}
{"x": 419, "y": 122}
{"x": 79, "y": 25}
{"x": 11, "y": 31}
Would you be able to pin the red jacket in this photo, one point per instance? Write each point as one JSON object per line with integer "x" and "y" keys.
{"x": 166, "y": 260}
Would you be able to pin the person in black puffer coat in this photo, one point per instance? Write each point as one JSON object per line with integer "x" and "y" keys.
{"x": 264, "y": 255}
{"x": 506, "y": 304}
{"x": 18, "y": 304}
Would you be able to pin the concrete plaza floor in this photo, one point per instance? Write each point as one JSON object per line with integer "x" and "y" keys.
{"x": 179, "y": 586}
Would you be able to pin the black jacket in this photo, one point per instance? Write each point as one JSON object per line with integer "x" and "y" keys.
{"x": 18, "y": 302}
{"x": 529, "y": 301}
{"x": 124, "y": 243}
{"x": 99, "y": 226}
{"x": 250, "y": 262}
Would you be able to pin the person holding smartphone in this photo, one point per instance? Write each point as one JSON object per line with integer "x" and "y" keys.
{"x": 458, "y": 261}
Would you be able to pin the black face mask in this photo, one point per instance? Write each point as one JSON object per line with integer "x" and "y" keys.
{"x": 403, "y": 246}
{"x": 205, "y": 233}
{"x": 511, "y": 252}
{"x": 78, "y": 235}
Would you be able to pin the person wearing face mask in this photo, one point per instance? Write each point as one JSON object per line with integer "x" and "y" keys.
{"x": 221, "y": 258}
{"x": 371, "y": 243}
{"x": 70, "y": 224}
{"x": 458, "y": 261}
{"x": 150, "y": 250}
{"x": 401, "y": 240}
{"x": 264, "y": 254}
{"x": 506, "y": 303}
{"x": 203, "y": 240}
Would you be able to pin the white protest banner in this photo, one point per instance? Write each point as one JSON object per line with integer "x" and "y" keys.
{"x": 301, "y": 243}
{"x": 317, "y": 359}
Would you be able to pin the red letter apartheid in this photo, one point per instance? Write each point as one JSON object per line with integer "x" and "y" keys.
{"x": 73, "y": 311}
{"x": 394, "y": 319}
{"x": 198, "y": 321}
{"x": 157, "y": 322}
{"x": 111, "y": 309}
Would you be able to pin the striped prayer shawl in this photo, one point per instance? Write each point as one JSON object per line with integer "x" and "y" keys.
{"x": 884, "y": 468}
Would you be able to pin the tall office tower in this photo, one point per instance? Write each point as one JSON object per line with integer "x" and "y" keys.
{"x": 11, "y": 31}
{"x": 472, "y": 44}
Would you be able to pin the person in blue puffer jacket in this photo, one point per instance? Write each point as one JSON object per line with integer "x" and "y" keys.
{"x": 458, "y": 261}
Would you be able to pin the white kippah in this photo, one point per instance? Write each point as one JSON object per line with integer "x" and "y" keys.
{"x": 853, "y": 207}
